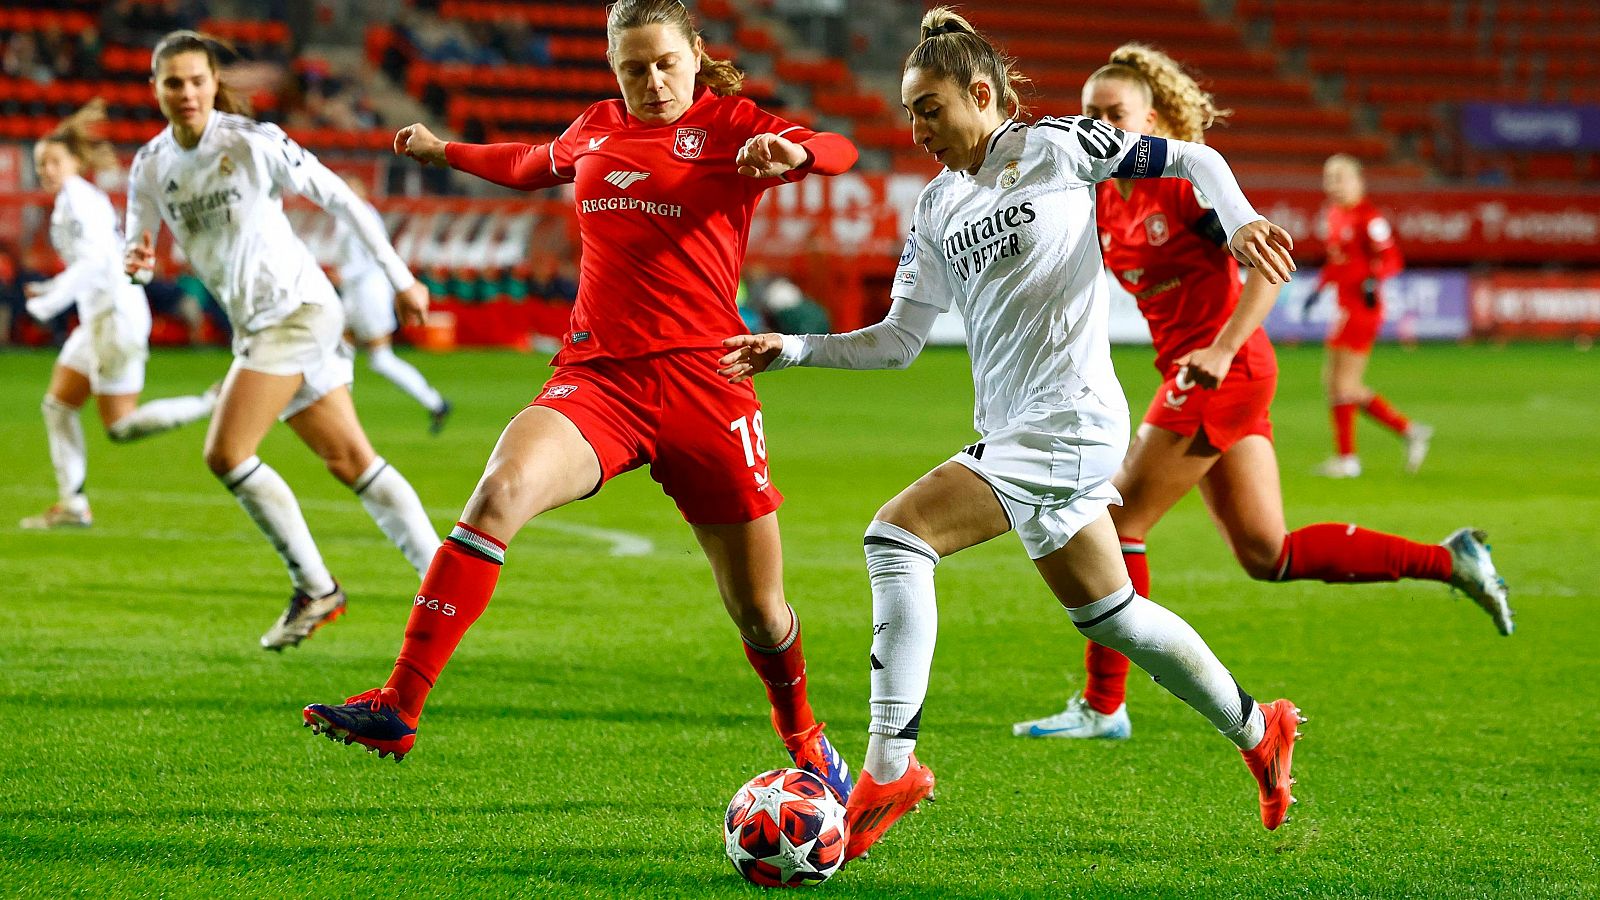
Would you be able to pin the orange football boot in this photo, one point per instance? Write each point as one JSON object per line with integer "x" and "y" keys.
{"x": 1269, "y": 761}
{"x": 873, "y": 807}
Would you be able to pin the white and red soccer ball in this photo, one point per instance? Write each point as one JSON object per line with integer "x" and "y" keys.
{"x": 785, "y": 828}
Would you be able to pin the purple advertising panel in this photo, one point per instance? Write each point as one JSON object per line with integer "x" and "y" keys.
{"x": 1531, "y": 126}
{"x": 1419, "y": 304}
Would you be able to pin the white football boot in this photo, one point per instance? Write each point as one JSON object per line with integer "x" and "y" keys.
{"x": 1340, "y": 467}
{"x": 1472, "y": 572}
{"x": 1079, "y": 720}
{"x": 1418, "y": 436}
{"x": 73, "y": 513}
{"x": 304, "y": 615}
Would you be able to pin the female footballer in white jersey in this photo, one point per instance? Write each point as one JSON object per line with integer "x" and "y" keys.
{"x": 368, "y": 299}
{"x": 216, "y": 179}
{"x": 105, "y": 355}
{"x": 1007, "y": 232}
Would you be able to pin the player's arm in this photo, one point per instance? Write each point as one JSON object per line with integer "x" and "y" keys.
{"x": 1208, "y": 366}
{"x": 891, "y": 344}
{"x": 778, "y": 148}
{"x": 1383, "y": 257}
{"x": 143, "y": 223}
{"x": 1095, "y": 151}
{"x": 523, "y": 167}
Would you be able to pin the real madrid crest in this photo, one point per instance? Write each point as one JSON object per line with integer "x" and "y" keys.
{"x": 225, "y": 166}
{"x": 1010, "y": 174}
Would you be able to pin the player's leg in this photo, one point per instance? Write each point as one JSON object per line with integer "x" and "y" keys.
{"x": 1160, "y": 468}
{"x": 126, "y": 419}
{"x": 542, "y": 461}
{"x": 947, "y": 510}
{"x": 381, "y": 359}
{"x": 69, "y": 388}
{"x": 247, "y": 407}
{"x": 747, "y": 562}
{"x": 1244, "y": 498}
{"x": 1416, "y": 434}
{"x": 1088, "y": 577}
{"x": 330, "y": 427}
{"x": 1341, "y": 376}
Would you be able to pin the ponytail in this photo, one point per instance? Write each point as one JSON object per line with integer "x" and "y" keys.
{"x": 952, "y": 48}
{"x": 82, "y": 135}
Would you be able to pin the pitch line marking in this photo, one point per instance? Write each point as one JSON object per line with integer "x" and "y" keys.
{"x": 622, "y": 543}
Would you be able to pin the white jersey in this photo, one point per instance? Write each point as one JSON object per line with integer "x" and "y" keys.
{"x": 1015, "y": 247}
{"x": 223, "y": 200}
{"x": 84, "y": 232}
{"x": 350, "y": 255}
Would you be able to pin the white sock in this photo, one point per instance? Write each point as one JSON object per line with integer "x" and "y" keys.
{"x": 266, "y": 497}
{"x": 405, "y": 376}
{"x": 391, "y": 502}
{"x": 1176, "y": 658}
{"x": 905, "y": 623}
{"x": 64, "y": 432}
{"x": 161, "y": 415}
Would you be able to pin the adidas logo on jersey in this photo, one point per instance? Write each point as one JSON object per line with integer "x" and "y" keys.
{"x": 625, "y": 180}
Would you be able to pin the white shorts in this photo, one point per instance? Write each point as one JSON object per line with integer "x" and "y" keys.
{"x": 111, "y": 351}
{"x": 1055, "y": 481}
{"x": 369, "y": 307}
{"x": 310, "y": 343}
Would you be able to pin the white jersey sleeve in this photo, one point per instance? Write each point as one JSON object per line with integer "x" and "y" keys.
{"x": 891, "y": 344}
{"x": 295, "y": 170}
{"x": 1093, "y": 151}
{"x": 83, "y": 230}
{"x": 144, "y": 205}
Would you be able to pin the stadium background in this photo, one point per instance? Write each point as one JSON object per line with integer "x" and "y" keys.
{"x": 1478, "y": 121}
{"x": 584, "y": 741}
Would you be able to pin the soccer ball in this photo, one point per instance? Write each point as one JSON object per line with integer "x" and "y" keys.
{"x": 785, "y": 828}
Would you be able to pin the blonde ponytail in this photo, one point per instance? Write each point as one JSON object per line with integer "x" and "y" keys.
{"x": 1185, "y": 110}
{"x": 82, "y": 135}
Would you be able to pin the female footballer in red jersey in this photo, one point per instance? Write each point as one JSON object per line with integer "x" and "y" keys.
{"x": 1208, "y": 424}
{"x": 1361, "y": 254}
{"x": 666, "y": 179}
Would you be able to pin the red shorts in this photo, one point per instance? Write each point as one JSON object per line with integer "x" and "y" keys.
{"x": 702, "y": 436}
{"x": 1237, "y": 409}
{"x": 1355, "y": 326}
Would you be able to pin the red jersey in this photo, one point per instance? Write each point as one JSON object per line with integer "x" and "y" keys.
{"x": 1167, "y": 248}
{"x": 1360, "y": 246}
{"x": 663, "y": 217}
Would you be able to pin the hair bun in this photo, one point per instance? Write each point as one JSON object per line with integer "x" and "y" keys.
{"x": 948, "y": 26}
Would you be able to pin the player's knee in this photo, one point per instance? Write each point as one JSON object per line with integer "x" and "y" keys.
{"x": 1259, "y": 555}
{"x": 346, "y": 463}
{"x": 222, "y": 460}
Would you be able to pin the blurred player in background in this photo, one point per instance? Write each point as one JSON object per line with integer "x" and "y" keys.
{"x": 665, "y": 181}
{"x": 216, "y": 178}
{"x": 105, "y": 355}
{"x": 369, "y": 314}
{"x": 1209, "y": 424}
{"x": 1006, "y": 232}
{"x": 1361, "y": 254}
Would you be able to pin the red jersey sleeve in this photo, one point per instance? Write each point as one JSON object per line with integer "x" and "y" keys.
{"x": 525, "y": 167}
{"x": 1382, "y": 250}
{"x": 831, "y": 154}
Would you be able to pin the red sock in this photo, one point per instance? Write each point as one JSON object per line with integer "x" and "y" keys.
{"x": 1344, "y": 428}
{"x": 1344, "y": 553}
{"x": 1387, "y": 416}
{"x": 1107, "y": 686}
{"x": 783, "y": 671}
{"x": 453, "y": 595}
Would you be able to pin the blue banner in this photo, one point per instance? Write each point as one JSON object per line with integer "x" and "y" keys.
{"x": 1531, "y": 126}
{"x": 1419, "y": 304}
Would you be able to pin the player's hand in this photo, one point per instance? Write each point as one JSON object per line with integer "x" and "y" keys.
{"x": 38, "y": 310}
{"x": 411, "y": 304}
{"x": 751, "y": 354}
{"x": 35, "y": 289}
{"x": 140, "y": 258}
{"x": 1205, "y": 367}
{"x": 417, "y": 142}
{"x": 768, "y": 156}
{"x": 1369, "y": 293}
{"x": 1267, "y": 247}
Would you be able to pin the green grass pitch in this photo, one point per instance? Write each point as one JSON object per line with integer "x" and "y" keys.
{"x": 595, "y": 722}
